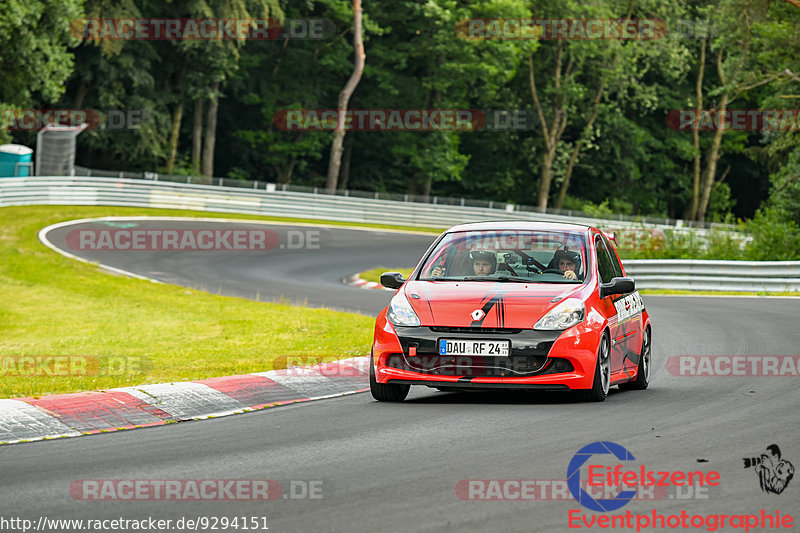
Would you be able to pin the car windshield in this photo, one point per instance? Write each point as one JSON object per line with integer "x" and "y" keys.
{"x": 508, "y": 256}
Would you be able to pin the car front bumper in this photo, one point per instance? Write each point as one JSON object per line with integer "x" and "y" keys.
{"x": 551, "y": 360}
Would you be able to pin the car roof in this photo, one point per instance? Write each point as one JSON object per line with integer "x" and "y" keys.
{"x": 506, "y": 225}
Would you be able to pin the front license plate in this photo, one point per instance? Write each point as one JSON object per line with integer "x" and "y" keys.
{"x": 474, "y": 347}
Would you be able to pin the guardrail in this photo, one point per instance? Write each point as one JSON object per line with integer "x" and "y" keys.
{"x": 405, "y": 198}
{"x": 649, "y": 274}
{"x": 269, "y": 200}
{"x": 704, "y": 275}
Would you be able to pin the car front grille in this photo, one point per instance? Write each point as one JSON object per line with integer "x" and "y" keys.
{"x": 482, "y": 331}
{"x": 476, "y": 366}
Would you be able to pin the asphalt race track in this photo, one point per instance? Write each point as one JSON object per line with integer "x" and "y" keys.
{"x": 396, "y": 467}
{"x": 305, "y": 268}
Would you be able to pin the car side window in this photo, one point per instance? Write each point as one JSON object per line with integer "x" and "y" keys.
{"x": 604, "y": 265}
{"x": 613, "y": 256}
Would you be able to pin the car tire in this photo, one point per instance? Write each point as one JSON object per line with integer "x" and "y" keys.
{"x": 645, "y": 366}
{"x": 385, "y": 392}
{"x": 602, "y": 374}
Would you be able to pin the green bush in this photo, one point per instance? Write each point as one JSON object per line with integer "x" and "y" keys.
{"x": 774, "y": 237}
{"x": 598, "y": 211}
{"x": 769, "y": 236}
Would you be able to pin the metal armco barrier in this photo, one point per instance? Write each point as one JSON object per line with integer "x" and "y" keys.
{"x": 649, "y": 274}
{"x": 703, "y": 275}
{"x": 79, "y": 190}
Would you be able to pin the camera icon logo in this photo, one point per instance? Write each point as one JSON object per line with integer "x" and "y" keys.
{"x": 774, "y": 473}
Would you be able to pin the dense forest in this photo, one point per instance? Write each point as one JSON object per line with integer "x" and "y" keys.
{"x": 569, "y": 121}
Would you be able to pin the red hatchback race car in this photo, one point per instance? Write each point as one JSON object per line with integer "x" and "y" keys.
{"x": 513, "y": 305}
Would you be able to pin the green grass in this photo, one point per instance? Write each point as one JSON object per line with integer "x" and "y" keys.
{"x": 138, "y": 332}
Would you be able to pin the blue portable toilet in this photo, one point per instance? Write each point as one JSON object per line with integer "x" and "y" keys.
{"x": 15, "y": 161}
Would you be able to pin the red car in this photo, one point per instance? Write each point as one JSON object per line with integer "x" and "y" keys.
{"x": 513, "y": 305}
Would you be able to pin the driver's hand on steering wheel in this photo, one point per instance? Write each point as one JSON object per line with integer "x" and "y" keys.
{"x": 569, "y": 274}
{"x": 437, "y": 272}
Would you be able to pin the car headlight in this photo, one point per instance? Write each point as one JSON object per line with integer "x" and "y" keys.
{"x": 401, "y": 313}
{"x": 565, "y": 315}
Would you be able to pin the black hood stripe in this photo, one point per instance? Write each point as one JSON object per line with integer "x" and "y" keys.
{"x": 494, "y": 298}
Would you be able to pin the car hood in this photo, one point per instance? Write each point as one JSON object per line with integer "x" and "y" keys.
{"x": 484, "y": 304}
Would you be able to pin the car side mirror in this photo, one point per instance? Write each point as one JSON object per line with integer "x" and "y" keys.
{"x": 392, "y": 280}
{"x": 617, "y": 286}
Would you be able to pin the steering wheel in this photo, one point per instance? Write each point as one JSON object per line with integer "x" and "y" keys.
{"x": 552, "y": 271}
{"x": 505, "y": 266}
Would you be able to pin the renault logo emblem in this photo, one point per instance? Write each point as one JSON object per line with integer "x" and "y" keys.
{"x": 477, "y": 314}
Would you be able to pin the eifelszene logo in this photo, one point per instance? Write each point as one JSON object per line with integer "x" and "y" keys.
{"x": 774, "y": 473}
{"x": 625, "y": 475}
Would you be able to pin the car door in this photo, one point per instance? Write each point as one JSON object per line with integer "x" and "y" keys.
{"x": 606, "y": 272}
{"x": 629, "y": 318}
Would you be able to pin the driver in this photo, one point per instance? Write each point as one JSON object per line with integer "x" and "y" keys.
{"x": 483, "y": 264}
{"x": 567, "y": 263}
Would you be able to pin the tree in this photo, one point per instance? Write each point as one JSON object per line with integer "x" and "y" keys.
{"x": 286, "y": 74}
{"x": 216, "y": 61}
{"x": 34, "y": 51}
{"x": 742, "y": 44}
{"x": 569, "y": 81}
{"x": 562, "y": 84}
{"x": 344, "y": 97}
{"x": 118, "y": 76}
